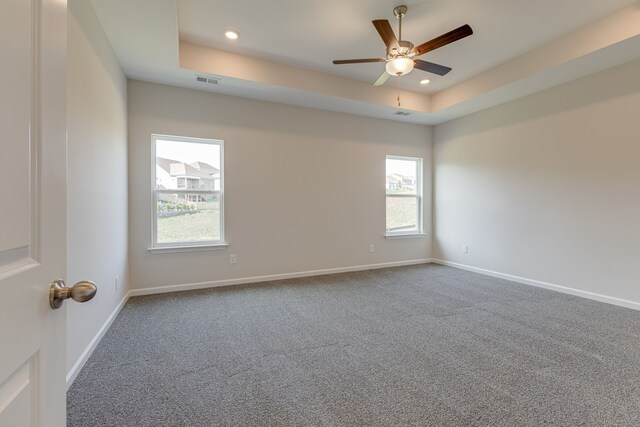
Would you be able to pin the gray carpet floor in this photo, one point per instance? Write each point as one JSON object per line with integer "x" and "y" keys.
{"x": 421, "y": 345}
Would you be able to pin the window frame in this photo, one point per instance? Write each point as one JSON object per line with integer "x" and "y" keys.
{"x": 419, "y": 196}
{"x": 156, "y": 247}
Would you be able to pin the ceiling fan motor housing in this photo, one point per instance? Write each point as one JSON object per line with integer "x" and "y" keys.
{"x": 404, "y": 48}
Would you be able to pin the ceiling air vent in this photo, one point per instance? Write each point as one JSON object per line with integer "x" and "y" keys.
{"x": 401, "y": 113}
{"x": 210, "y": 80}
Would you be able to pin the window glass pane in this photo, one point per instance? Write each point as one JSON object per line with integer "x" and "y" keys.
{"x": 402, "y": 214}
{"x": 402, "y": 176}
{"x": 189, "y": 165}
{"x": 188, "y": 217}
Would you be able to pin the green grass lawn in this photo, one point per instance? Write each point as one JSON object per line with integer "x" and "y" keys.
{"x": 202, "y": 225}
{"x": 401, "y": 213}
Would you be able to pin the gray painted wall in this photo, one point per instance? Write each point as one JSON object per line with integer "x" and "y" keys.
{"x": 304, "y": 188}
{"x": 546, "y": 187}
{"x": 97, "y": 230}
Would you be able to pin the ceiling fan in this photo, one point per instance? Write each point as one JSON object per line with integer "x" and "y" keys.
{"x": 401, "y": 54}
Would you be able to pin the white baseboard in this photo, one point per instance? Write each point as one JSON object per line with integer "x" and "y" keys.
{"x": 564, "y": 289}
{"x": 77, "y": 367}
{"x": 268, "y": 278}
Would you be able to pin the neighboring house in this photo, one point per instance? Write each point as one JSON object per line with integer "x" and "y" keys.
{"x": 173, "y": 174}
{"x": 409, "y": 181}
{"x": 207, "y": 169}
{"x": 396, "y": 181}
{"x": 393, "y": 183}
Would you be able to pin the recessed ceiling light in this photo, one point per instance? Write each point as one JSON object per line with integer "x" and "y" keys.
{"x": 231, "y": 34}
{"x": 425, "y": 82}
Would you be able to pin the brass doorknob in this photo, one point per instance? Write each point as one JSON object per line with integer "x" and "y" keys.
{"x": 80, "y": 292}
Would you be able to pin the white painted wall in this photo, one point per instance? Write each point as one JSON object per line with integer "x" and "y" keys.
{"x": 547, "y": 187}
{"x": 97, "y": 177}
{"x": 304, "y": 188}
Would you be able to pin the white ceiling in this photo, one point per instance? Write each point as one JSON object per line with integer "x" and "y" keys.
{"x": 286, "y": 47}
{"x": 311, "y": 34}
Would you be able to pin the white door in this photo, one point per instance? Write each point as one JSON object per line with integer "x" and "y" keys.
{"x": 33, "y": 39}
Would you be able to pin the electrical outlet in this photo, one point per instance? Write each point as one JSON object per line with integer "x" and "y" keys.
{"x": 465, "y": 249}
{"x": 372, "y": 249}
{"x": 233, "y": 259}
{"x": 117, "y": 279}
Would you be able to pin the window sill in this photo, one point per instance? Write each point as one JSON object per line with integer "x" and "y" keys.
{"x": 192, "y": 248}
{"x": 405, "y": 236}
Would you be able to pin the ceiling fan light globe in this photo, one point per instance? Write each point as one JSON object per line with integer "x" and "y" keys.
{"x": 399, "y": 66}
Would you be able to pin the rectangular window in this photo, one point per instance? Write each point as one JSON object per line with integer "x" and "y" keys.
{"x": 187, "y": 191}
{"x": 404, "y": 195}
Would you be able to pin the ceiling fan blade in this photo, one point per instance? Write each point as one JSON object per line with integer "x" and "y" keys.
{"x": 430, "y": 67}
{"x": 386, "y": 32}
{"x": 358, "y": 61}
{"x": 443, "y": 40}
{"x": 383, "y": 78}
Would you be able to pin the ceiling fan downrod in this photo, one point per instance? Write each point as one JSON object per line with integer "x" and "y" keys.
{"x": 399, "y": 12}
